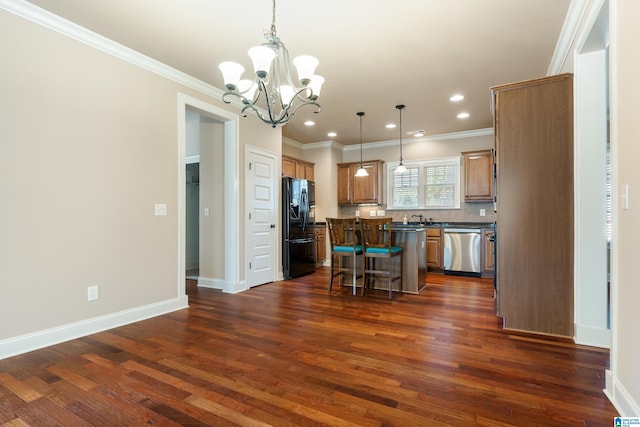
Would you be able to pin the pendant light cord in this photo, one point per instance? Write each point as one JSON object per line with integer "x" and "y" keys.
{"x": 400, "y": 107}
{"x": 360, "y": 114}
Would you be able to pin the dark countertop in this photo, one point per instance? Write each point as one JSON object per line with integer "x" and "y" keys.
{"x": 445, "y": 224}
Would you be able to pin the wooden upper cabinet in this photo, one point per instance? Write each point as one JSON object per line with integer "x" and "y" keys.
{"x": 478, "y": 172}
{"x": 354, "y": 190}
{"x": 345, "y": 184}
{"x": 309, "y": 171}
{"x": 297, "y": 168}
{"x": 300, "y": 170}
{"x": 288, "y": 167}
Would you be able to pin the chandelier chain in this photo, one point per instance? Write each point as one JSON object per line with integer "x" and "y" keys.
{"x": 272, "y": 33}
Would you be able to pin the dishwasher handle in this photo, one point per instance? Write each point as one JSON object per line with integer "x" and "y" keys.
{"x": 462, "y": 230}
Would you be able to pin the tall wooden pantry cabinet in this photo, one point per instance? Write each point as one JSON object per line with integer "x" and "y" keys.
{"x": 533, "y": 123}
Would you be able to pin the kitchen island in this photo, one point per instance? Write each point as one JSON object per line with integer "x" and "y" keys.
{"x": 413, "y": 241}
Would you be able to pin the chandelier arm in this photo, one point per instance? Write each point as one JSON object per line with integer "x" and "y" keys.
{"x": 302, "y": 105}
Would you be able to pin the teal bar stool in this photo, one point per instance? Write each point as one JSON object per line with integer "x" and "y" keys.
{"x": 376, "y": 243}
{"x": 344, "y": 245}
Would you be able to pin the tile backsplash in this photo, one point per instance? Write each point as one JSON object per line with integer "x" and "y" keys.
{"x": 468, "y": 212}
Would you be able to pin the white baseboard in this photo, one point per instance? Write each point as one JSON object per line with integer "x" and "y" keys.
{"x": 620, "y": 397}
{"x": 230, "y": 288}
{"x": 595, "y": 337}
{"x": 36, "y": 340}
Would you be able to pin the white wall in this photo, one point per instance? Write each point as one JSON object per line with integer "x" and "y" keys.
{"x": 212, "y": 243}
{"x": 100, "y": 132}
{"x": 591, "y": 281}
{"x": 623, "y": 382}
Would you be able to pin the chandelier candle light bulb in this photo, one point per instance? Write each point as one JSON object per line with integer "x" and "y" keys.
{"x": 273, "y": 86}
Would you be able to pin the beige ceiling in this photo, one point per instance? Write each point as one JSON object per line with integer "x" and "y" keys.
{"x": 373, "y": 54}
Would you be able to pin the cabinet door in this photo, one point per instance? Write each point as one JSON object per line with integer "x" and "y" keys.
{"x": 478, "y": 171}
{"x": 308, "y": 171}
{"x": 488, "y": 252}
{"x": 321, "y": 242}
{"x": 366, "y": 188}
{"x": 300, "y": 170}
{"x": 434, "y": 248}
{"x": 288, "y": 167}
{"x": 345, "y": 181}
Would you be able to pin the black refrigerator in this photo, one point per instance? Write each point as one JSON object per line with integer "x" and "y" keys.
{"x": 298, "y": 233}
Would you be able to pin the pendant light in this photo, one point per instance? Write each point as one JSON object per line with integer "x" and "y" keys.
{"x": 401, "y": 168}
{"x": 362, "y": 171}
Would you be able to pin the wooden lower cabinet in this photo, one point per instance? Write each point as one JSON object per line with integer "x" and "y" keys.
{"x": 488, "y": 252}
{"x": 435, "y": 248}
{"x": 321, "y": 244}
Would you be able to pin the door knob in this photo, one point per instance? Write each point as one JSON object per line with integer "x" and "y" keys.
{"x": 273, "y": 226}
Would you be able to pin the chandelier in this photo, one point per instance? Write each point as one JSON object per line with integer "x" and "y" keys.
{"x": 272, "y": 95}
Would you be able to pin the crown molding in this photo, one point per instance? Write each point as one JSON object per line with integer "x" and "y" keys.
{"x": 568, "y": 33}
{"x": 311, "y": 146}
{"x": 76, "y": 32}
{"x": 441, "y": 137}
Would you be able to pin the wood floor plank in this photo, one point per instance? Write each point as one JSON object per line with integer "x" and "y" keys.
{"x": 292, "y": 354}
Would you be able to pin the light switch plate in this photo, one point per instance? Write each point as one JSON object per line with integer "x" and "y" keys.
{"x": 381, "y": 213}
{"x": 372, "y": 212}
{"x": 161, "y": 209}
{"x": 625, "y": 197}
{"x": 483, "y": 212}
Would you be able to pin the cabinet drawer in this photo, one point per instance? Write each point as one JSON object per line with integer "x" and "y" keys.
{"x": 434, "y": 232}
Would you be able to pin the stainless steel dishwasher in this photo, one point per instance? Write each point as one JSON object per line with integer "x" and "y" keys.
{"x": 462, "y": 251}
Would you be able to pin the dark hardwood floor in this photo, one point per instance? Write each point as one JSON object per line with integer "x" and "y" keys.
{"x": 290, "y": 354}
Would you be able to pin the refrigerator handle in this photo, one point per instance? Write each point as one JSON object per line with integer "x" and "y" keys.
{"x": 304, "y": 208}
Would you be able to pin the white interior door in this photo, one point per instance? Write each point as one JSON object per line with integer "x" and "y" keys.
{"x": 262, "y": 196}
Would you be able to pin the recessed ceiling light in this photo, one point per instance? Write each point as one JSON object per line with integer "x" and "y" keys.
{"x": 457, "y": 97}
{"x": 463, "y": 115}
{"x": 332, "y": 134}
{"x": 416, "y": 133}
{"x": 390, "y": 126}
{"x": 309, "y": 123}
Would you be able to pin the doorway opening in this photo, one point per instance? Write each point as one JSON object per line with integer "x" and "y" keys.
{"x": 192, "y": 219}
{"x": 222, "y": 175}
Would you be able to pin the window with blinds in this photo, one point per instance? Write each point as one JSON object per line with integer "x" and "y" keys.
{"x": 427, "y": 184}
{"x": 405, "y": 188}
{"x": 440, "y": 185}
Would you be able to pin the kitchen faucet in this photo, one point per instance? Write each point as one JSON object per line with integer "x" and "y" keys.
{"x": 418, "y": 216}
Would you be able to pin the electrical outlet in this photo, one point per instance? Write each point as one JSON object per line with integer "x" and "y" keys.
{"x": 372, "y": 212}
{"x": 92, "y": 293}
{"x": 381, "y": 213}
{"x": 357, "y": 213}
{"x": 483, "y": 212}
